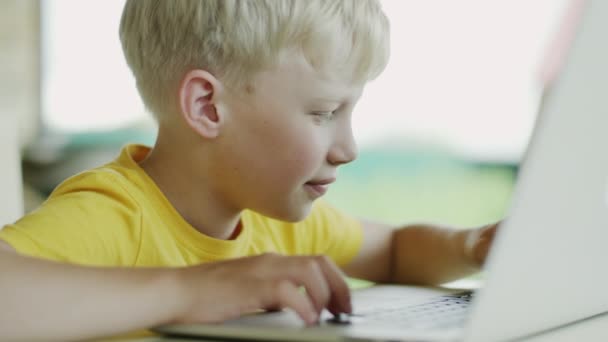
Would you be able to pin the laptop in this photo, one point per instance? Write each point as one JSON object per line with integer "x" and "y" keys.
{"x": 546, "y": 267}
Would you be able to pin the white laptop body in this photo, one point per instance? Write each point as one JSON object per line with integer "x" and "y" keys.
{"x": 546, "y": 269}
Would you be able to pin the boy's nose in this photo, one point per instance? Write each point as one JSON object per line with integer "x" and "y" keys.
{"x": 344, "y": 150}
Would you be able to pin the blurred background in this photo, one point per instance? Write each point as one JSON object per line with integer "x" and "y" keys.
{"x": 441, "y": 132}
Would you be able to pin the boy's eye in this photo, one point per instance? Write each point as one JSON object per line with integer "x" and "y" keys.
{"x": 324, "y": 115}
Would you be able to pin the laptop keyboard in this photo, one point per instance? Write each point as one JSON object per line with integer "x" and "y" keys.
{"x": 443, "y": 312}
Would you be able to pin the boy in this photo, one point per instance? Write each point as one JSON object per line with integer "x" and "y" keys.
{"x": 254, "y": 103}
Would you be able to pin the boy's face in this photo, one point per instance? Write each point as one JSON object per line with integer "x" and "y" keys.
{"x": 284, "y": 139}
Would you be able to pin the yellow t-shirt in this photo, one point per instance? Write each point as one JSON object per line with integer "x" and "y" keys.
{"x": 115, "y": 215}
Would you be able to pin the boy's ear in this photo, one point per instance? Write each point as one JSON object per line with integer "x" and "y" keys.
{"x": 198, "y": 94}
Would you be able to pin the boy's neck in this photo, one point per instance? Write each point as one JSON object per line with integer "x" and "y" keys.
{"x": 186, "y": 189}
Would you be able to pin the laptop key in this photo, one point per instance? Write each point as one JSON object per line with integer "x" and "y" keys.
{"x": 340, "y": 319}
{"x": 442, "y": 312}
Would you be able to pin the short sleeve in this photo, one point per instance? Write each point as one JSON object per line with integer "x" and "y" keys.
{"x": 333, "y": 233}
{"x": 89, "y": 219}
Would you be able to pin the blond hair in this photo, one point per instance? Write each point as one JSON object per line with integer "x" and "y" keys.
{"x": 234, "y": 39}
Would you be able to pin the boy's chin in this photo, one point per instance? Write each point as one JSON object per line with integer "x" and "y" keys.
{"x": 293, "y": 215}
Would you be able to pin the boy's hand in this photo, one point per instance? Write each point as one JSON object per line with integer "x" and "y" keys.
{"x": 223, "y": 290}
{"x": 478, "y": 243}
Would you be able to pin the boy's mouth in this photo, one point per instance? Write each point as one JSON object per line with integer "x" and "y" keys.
{"x": 325, "y": 181}
{"x": 318, "y": 188}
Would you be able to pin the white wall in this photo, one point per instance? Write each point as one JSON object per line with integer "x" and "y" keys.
{"x": 11, "y": 196}
{"x": 462, "y": 73}
{"x": 19, "y": 97}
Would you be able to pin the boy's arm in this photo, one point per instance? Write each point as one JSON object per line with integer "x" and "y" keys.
{"x": 419, "y": 254}
{"x": 43, "y": 300}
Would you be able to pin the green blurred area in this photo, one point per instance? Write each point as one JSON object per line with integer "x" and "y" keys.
{"x": 400, "y": 186}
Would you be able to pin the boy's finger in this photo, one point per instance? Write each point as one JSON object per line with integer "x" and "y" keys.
{"x": 482, "y": 248}
{"x": 340, "y": 293}
{"x": 491, "y": 229}
{"x": 307, "y": 272}
{"x": 287, "y": 295}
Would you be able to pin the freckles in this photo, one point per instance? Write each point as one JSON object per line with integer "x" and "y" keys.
{"x": 291, "y": 161}
{"x": 236, "y": 170}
